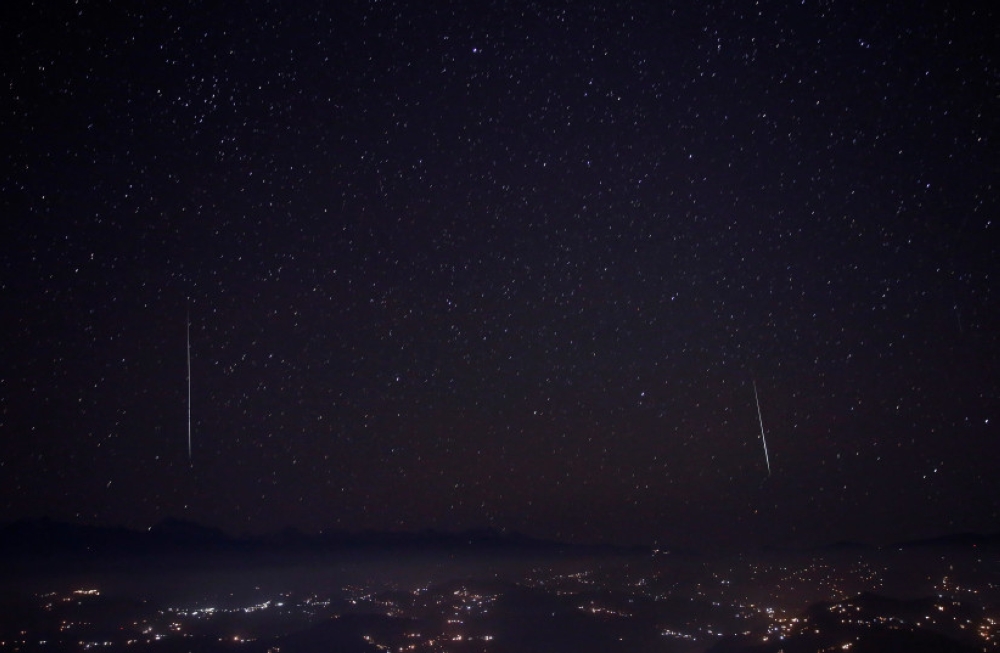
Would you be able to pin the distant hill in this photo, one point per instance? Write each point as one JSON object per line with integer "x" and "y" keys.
{"x": 954, "y": 540}
{"x": 180, "y": 532}
{"x": 46, "y": 538}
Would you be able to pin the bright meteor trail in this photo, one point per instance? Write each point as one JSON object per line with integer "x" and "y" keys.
{"x": 189, "y": 382}
{"x": 760, "y": 419}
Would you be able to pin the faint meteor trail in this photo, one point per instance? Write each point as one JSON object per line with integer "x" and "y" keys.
{"x": 189, "y": 381}
{"x": 760, "y": 419}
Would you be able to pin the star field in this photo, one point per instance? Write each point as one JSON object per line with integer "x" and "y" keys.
{"x": 507, "y": 264}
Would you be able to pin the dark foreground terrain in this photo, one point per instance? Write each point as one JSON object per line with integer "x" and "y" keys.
{"x": 485, "y": 592}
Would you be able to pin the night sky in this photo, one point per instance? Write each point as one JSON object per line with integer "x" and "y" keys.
{"x": 514, "y": 265}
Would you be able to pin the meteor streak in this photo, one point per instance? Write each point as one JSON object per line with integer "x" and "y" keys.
{"x": 760, "y": 419}
{"x": 189, "y": 381}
